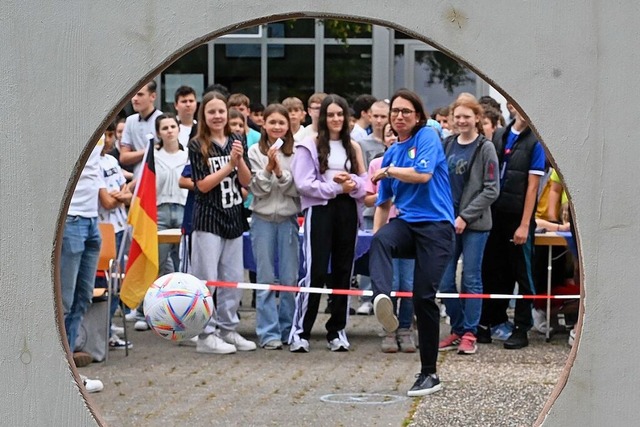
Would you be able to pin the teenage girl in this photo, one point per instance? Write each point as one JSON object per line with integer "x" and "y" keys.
{"x": 274, "y": 225}
{"x": 170, "y": 159}
{"x": 219, "y": 169}
{"x": 473, "y": 166}
{"x": 329, "y": 173}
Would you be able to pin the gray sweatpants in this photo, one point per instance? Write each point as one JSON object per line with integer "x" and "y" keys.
{"x": 215, "y": 258}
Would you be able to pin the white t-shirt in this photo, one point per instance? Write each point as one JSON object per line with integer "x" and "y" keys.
{"x": 299, "y": 136}
{"x": 307, "y": 132}
{"x": 336, "y": 161}
{"x": 84, "y": 201}
{"x": 185, "y": 131}
{"x": 168, "y": 171}
{"x": 137, "y": 133}
{"x": 358, "y": 134}
{"x": 113, "y": 181}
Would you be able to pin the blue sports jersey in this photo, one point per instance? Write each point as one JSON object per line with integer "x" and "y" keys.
{"x": 430, "y": 201}
{"x": 538, "y": 157}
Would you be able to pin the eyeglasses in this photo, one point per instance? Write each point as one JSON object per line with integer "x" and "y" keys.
{"x": 313, "y": 108}
{"x": 405, "y": 112}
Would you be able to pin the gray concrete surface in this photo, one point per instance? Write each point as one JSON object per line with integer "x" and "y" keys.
{"x": 163, "y": 384}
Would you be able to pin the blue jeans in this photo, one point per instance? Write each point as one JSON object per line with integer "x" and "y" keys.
{"x": 78, "y": 262}
{"x": 169, "y": 216}
{"x": 465, "y": 313}
{"x": 403, "y": 282}
{"x": 273, "y": 241}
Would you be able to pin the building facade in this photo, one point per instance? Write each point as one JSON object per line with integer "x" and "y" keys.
{"x": 299, "y": 57}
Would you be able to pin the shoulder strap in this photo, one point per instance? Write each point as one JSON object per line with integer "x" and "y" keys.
{"x": 447, "y": 143}
{"x": 467, "y": 173}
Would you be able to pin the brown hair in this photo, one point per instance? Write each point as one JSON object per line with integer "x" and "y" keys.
{"x": 287, "y": 147}
{"x": 322, "y": 140}
{"x": 204, "y": 133}
{"x": 492, "y": 114}
{"x": 292, "y": 102}
{"x": 317, "y": 97}
{"x": 237, "y": 99}
{"x": 235, "y": 114}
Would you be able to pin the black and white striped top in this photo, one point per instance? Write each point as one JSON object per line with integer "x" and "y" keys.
{"x": 220, "y": 210}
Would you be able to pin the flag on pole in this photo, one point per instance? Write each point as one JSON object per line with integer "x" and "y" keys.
{"x": 142, "y": 266}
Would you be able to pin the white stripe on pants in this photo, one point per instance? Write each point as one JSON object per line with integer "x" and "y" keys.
{"x": 215, "y": 258}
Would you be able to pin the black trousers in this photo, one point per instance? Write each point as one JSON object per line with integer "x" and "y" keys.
{"x": 503, "y": 265}
{"x": 330, "y": 238}
{"x": 431, "y": 244}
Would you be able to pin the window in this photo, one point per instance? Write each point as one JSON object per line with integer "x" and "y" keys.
{"x": 347, "y": 70}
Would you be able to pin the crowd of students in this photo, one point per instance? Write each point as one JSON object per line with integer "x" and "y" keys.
{"x": 432, "y": 189}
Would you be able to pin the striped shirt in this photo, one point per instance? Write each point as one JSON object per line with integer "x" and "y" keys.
{"x": 218, "y": 211}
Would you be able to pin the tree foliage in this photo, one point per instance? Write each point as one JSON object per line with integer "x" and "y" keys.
{"x": 444, "y": 69}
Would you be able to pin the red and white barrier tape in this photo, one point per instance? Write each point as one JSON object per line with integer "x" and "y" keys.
{"x": 358, "y": 292}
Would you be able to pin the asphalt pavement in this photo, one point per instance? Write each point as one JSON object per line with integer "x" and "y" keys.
{"x": 162, "y": 383}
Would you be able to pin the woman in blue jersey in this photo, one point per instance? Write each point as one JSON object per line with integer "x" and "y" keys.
{"x": 415, "y": 178}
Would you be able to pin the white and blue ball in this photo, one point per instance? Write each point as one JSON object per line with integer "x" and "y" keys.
{"x": 177, "y": 306}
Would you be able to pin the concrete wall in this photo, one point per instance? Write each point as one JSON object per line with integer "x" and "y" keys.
{"x": 66, "y": 66}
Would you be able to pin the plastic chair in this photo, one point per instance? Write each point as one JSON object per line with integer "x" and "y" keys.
{"x": 109, "y": 266}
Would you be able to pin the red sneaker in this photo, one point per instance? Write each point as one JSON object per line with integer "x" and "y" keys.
{"x": 467, "y": 344}
{"x": 449, "y": 343}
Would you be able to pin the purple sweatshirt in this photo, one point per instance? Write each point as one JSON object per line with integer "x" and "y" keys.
{"x": 313, "y": 188}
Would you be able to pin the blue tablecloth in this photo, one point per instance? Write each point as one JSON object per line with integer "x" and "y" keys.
{"x": 361, "y": 263}
{"x": 571, "y": 242}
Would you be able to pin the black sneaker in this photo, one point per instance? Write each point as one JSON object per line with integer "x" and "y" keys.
{"x": 424, "y": 385}
{"x": 483, "y": 335}
{"x": 517, "y": 340}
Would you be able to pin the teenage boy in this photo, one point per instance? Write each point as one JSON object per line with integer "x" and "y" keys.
{"x": 295, "y": 107}
{"x": 508, "y": 255}
{"x": 313, "y": 110}
{"x": 255, "y": 113}
{"x": 185, "y": 105}
{"x": 240, "y": 102}
{"x": 79, "y": 255}
{"x": 139, "y": 128}
{"x": 362, "y": 113}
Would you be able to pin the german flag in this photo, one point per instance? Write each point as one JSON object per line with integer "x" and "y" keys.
{"x": 142, "y": 266}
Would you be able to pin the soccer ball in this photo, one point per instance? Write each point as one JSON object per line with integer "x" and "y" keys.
{"x": 177, "y": 306}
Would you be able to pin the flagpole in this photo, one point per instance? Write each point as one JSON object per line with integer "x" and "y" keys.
{"x": 127, "y": 229}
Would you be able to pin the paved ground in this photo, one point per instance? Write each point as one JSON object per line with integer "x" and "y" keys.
{"x": 163, "y": 384}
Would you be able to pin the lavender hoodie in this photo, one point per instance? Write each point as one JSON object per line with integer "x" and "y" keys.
{"x": 313, "y": 188}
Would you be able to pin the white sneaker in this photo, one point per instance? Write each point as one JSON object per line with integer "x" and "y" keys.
{"x": 215, "y": 345}
{"x": 141, "y": 325}
{"x": 365, "y": 309}
{"x": 92, "y": 386}
{"x": 234, "y": 338}
{"x": 383, "y": 309}
{"x": 337, "y": 344}
{"x": 118, "y": 330}
{"x": 131, "y": 316}
{"x": 572, "y": 337}
{"x": 299, "y": 346}
{"x": 540, "y": 321}
{"x": 117, "y": 343}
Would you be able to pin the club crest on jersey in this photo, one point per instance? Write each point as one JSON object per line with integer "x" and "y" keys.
{"x": 412, "y": 153}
